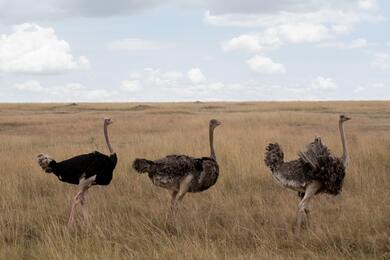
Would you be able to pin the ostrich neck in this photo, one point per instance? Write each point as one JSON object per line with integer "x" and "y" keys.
{"x": 108, "y": 139}
{"x": 344, "y": 157}
{"x": 211, "y": 136}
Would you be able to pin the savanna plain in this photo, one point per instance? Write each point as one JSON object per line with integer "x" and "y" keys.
{"x": 246, "y": 215}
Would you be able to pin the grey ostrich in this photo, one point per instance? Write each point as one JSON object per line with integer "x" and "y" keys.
{"x": 181, "y": 173}
{"x": 315, "y": 171}
{"x": 84, "y": 170}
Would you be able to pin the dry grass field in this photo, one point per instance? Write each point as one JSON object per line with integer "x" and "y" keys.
{"x": 246, "y": 215}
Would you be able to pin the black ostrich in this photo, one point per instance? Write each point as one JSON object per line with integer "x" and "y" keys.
{"x": 84, "y": 170}
{"x": 181, "y": 173}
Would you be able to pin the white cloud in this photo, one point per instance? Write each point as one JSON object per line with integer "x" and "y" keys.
{"x": 321, "y": 83}
{"x": 359, "y": 89}
{"x": 284, "y": 27}
{"x": 152, "y": 84}
{"x": 157, "y": 84}
{"x": 261, "y": 64}
{"x": 381, "y": 61}
{"x": 276, "y": 36}
{"x": 267, "y": 40}
{"x": 63, "y": 93}
{"x": 34, "y": 49}
{"x": 300, "y": 32}
{"x": 320, "y": 88}
{"x": 130, "y": 85}
{"x": 355, "y": 44}
{"x": 320, "y": 23}
{"x": 31, "y": 85}
{"x": 336, "y": 17}
{"x": 134, "y": 44}
{"x": 243, "y": 42}
{"x": 388, "y": 43}
{"x": 377, "y": 89}
{"x": 196, "y": 76}
{"x": 150, "y": 78}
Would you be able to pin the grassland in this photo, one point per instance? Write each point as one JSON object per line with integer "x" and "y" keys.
{"x": 246, "y": 215}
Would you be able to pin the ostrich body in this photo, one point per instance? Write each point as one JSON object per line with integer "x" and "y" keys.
{"x": 181, "y": 173}
{"x": 84, "y": 170}
{"x": 315, "y": 171}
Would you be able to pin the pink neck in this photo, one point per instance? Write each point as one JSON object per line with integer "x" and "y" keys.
{"x": 107, "y": 139}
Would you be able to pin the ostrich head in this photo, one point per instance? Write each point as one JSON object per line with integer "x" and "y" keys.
{"x": 344, "y": 118}
{"x": 214, "y": 123}
{"x": 107, "y": 121}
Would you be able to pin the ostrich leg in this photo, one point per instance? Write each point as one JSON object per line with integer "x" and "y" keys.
{"x": 173, "y": 199}
{"x": 85, "y": 184}
{"x": 302, "y": 215}
{"x": 83, "y": 208}
{"x": 184, "y": 186}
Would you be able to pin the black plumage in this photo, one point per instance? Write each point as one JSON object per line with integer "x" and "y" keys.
{"x": 84, "y": 166}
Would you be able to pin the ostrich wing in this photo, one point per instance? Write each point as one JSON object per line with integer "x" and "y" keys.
{"x": 327, "y": 169}
{"x": 314, "y": 153}
{"x": 207, "y": 177}
{"x": 170, "y": 170}
{"x": 177, "y": 165}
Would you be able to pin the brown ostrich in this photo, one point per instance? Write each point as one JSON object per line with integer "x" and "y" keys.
{"x": 181, "y": 173}
{"x": 315, "y": 171}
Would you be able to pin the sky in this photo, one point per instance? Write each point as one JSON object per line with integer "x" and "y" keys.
{"x": 190, "y": 50}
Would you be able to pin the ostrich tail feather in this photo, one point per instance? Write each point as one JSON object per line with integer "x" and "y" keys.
{"x": 274, "y": 156}
{"x": 142, "y": 165}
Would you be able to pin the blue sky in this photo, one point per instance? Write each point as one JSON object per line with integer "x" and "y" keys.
{"x": 100, "y": 51}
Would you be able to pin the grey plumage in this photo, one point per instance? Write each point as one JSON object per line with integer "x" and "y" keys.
{"x": 181, "y": 173}
{"x": 325, "y": 167}
{"x": 313, "y": 153}
{"x": 314, "y": 163}
{"x": 274, "y": 156}
{"x": 292, "y": 174}
{"x": 316, "y": 170}
{"x": 170, "y": 170}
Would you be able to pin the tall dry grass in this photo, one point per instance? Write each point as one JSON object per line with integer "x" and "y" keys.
{"x": 246, "y": 215}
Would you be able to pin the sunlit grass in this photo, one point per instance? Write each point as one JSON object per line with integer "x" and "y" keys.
{"x": 246, "y": 215}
